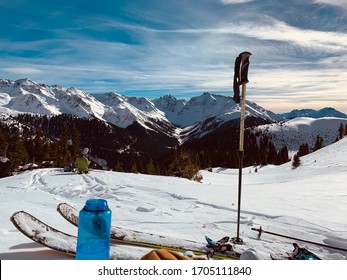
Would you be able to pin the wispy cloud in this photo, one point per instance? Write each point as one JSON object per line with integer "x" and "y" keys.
{"x": 23, "y": 71}
{"x": 342, "y": 3}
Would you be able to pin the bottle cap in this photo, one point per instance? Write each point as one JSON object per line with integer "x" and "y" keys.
{"x": 95, "y": 204}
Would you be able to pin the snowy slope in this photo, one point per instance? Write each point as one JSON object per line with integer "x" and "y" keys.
{"x": 302, "y": 130}
{"x": 308, "y": 202}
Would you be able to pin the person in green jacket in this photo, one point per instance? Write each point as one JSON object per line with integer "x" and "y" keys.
{"x": 82, "y": 163}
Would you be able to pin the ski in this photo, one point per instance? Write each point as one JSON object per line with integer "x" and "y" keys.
{"x": 132, "y": 237}
{"x": 62, "y": 242}
{"x": 44, "y": 234}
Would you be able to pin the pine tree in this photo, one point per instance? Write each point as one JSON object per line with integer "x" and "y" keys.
{"x": 272, "y": 153}
{"x": 53, "y": 152}
{"x": 151, "y": 168}
{"x": 17, "y": 152}
{"x": 319, "y": 143}
{"x": 39, "y": 146}
{"x": 183, "y": 165}
{"x": 296, "y": 161}
{"x": 304, "y": 149}
{"x": 342, "y": 131}
{"x": 134, "y": 168}
{"x": 64, "y": 156}
{"x": 4, "y": 163}
{"x": 282, "y": 156}
{"x": 3, "y": 143}
{"x": 264, "y": 150}
{"x": 29, "y": 147}
{"x": 119, "y": 167}
{"x": 76, "y": 141}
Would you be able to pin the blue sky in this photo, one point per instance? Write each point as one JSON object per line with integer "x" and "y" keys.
{"x": 150, "y": 48}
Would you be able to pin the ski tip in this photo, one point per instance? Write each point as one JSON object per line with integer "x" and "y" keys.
{"x": 12, "y": 217}
{"x": 15, "y": 215}
{"x": 60, "y": 205}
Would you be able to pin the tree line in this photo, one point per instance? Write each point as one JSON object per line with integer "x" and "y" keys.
{"x": 43, "y": 141}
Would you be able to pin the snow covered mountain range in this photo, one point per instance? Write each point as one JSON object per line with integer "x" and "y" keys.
{"x": 166, "y": 114}
{"x": 27, "y": 96}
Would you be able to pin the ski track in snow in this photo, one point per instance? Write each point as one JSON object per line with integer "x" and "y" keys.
{"x": 96, "y": 187}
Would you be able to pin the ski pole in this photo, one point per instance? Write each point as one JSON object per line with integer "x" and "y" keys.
{"x": 240, "y": 78}
{"x": 260, "y": 230}
{"x": 241, "y": 155}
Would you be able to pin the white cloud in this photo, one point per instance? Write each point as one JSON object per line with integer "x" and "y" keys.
{"x": 342, "y": 3}
{"x": 26, "y": 71}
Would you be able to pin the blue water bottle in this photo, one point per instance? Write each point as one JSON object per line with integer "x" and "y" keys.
{"x": 94, "y": 226}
